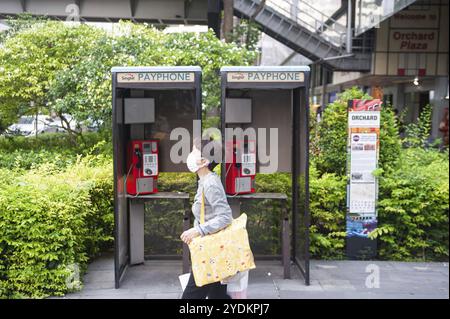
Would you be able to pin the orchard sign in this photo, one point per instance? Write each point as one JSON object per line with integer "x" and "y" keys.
{"x": 413, "y": 40}
{"x": 415, "y": 30}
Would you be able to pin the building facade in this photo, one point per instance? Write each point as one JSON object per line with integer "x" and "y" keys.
{"x": 409, "y": 67}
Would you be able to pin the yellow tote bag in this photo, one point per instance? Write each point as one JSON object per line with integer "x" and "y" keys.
{"x": 223, "y": 254}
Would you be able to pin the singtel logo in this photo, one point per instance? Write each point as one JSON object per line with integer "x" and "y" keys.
{"x": 238, "y": 76}
{"x": 127, "y": 77}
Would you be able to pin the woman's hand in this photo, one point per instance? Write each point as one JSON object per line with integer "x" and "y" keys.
{"x": 188, "y": 235}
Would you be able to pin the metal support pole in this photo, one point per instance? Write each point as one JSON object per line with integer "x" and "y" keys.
{"x": 286, "y": 244}
{"x": 349, "y": 27}
{"x": 324, "y": 87}
{"x": 214, "y": 16}
{"x": 186, "y": 226}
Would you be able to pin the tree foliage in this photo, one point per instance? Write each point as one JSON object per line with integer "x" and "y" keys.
{"x": 66, "y": 69}
{"x": 31, "y": 61}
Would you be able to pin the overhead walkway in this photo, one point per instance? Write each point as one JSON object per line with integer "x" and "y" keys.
{"x": 306, "y": 30}
{"x": 156, "y": 12}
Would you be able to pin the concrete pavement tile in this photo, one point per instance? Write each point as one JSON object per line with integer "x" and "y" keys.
{"x": 286, "y": 294}
{"x": 263, "y": 278}
{"x": 297, "y": 285}
{"x": 332, "y": 284}
{"x": 262, "y": 295}
{"x": 97, "y": 292}
{"x": 321, "y": 266}
{"x": 99, "y": 285}
{"x": 102, "y": 263}
{"x": 68, "y": 296}
{"x": 262, "y": 290}
{"x": 151, "y": 286}
{"x": 329, "y": 279}
{"x": 95, "y": 276}
{"x": 115, "y": 296}
{"x": 417, "y": 266}
{"x": 163, "y": 296}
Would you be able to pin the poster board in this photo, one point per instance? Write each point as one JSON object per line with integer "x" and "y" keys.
{"x": 362, "y": 186}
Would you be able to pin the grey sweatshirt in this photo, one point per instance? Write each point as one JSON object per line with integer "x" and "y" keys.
{"x": 217, "y": 211}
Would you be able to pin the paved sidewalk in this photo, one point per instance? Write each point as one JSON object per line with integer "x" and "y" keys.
{"x": 329, "y": 279}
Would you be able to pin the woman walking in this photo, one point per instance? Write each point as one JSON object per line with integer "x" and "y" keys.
{"x": 217, "y": 216}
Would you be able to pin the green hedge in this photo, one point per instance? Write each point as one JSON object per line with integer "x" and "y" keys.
{"x": 51, "y": 222}
{"x": 61, "y": 149}
{"x": 414, "y": 207}
{"x": 327, "y": 209}
{"x": 413, "y": 196}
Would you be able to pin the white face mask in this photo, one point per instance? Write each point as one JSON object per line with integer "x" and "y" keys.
{"x": 192, "y": 159}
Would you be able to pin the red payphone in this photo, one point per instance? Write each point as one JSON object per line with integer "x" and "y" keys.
{"x": 142, "y": 161}
{"x": 240, "y": 167}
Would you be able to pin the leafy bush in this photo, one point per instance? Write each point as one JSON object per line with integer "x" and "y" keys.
{"x": 327, "y": 208}
{"x": 332, "y": 135}
{"x": 413, "y": 207}
{"x": 417, "y": 134}
{"x": 52, "y": 222}
{"x": 413, "y": 196}
{"x": 50, "y": 141}
{"x": 26, "y": 152}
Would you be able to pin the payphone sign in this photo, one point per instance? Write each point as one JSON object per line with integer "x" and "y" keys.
{"x": 266, "y": 76}
{"x": 155, "y": 77}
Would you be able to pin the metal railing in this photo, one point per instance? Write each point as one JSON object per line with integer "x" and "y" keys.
{"x": 321, "y": 37}
{"x": 311, "y": 18}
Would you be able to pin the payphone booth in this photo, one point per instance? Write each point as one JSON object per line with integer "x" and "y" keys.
{"x": 264, "y": 125}
{"x": 148, "y": 104}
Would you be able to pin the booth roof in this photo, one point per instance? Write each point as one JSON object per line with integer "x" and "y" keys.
{"x": 156, "y": 69}
{"x": 301, "y": 68}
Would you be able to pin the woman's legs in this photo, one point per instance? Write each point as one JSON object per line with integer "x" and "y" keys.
{"x": 193, "y": 292}
{"x": 218, "y": 291}
{"x": 212, "y": 291}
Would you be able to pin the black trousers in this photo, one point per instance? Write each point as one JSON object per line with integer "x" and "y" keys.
{"x": 212, "y": 291}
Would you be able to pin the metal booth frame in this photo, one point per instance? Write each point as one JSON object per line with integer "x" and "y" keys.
{"x": 130, "y": 78}
{"x": 300, "y": 215}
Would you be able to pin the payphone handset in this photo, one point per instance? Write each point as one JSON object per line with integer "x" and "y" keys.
{"x": 240, "y": 167}
{"x": 142, "y": 167}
